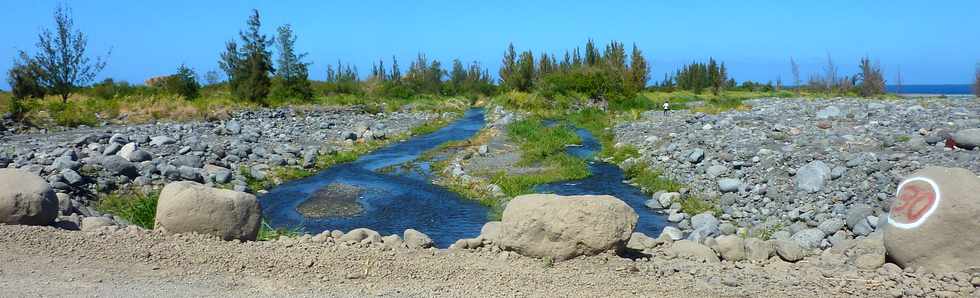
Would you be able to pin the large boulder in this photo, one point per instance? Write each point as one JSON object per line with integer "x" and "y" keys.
{"x": 934, "y": 220}
{"x": 26, "y": 199}
{"x": 967, "y": 138}
{"x": 564, "y": 227}
{"x": 187, "y": 207}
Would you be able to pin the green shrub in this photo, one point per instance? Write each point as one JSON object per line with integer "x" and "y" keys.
{"x": 136, "y": 207}
{"x": 694, "y": 205}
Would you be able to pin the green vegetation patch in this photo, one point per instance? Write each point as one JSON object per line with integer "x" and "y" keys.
{"x": 136, "y": 207}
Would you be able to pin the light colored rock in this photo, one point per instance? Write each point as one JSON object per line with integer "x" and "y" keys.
{"x": 729, "y": 185}
{"x": 640, "y": 241}
{"x": 831, "y": 226}
{"x": 361, "y": 235}
{"x": 869, "y": 261}
{"x": 830, "y": 112}
{"x": 186, "y": 207}
{"x": 26, "y": 199}
{"x": 669, "y": 198}
{"x": 417, "y": 240}
{"x": 671, "y": 233}
{"x": 788, "y": 250}
{"x": 93, "y": 223}
{"x": 811, "y": 177}
{"x": 694, "y": 251}
{"x": 758, "y": 250}
{"x": 935, "y": 230}
{"x": 491, "y": 231}
{"x": 564, "y": 227}
{"x": 731, "y": 248}
{"x": 809, "y": 238}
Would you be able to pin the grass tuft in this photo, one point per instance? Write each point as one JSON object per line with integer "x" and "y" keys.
{"x": 134, "y": 206}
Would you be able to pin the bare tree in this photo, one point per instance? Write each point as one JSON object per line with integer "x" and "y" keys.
{"x": 898, "y": 80}
{"x": 61, "y": 55}
{"x": 976, "y": 81}
{"x": 795, "y": 68}
{"x": 830, "y": 78}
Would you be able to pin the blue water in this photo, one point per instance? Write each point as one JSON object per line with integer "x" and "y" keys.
{"x": 931, "y": 89}
{"x": 392, "y": 203}
{"x": 399, "y": 200}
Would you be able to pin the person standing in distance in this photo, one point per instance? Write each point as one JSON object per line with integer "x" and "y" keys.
{"x": 666, "y": 107}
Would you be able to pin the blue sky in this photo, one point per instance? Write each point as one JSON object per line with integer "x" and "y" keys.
{"x": 932, "y": 43}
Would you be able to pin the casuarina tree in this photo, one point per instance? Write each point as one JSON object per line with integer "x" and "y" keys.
{"x": 249, "y": 67}
{"x": 292, "y": 77}
{"x": 61, "y": 57}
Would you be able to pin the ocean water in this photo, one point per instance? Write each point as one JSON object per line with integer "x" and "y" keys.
{"x": 931, "y": 89}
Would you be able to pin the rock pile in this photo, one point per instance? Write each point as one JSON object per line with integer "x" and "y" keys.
{"x": 812, "y": 172}
{"x": 81, "y": 163}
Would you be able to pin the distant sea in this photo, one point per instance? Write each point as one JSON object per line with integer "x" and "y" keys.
{"x": 931, "y": 89}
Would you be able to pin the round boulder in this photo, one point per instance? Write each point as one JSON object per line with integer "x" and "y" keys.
{"x": 934, "y": 220}
{"x": 187, "y": 207}
{"x": 967, "y": 138}
{"x": 564, "y": 227}
{"x": 26, "y": 199}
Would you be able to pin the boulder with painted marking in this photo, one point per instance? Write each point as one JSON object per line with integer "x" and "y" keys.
{"x": 564, "y": 227}
{"x": 190, "y": 207}
{"x": 26, "y": 199}
{"x": 934, "y": 219}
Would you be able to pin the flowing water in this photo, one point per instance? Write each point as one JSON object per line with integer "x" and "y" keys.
{"x": 394, "y": 201}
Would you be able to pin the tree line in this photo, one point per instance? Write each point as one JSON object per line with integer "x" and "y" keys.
{"x": 609, "y": 73}
{"x": 62, "y": 66}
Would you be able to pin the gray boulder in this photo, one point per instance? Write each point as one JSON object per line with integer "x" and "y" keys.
{"x": 809, "y": 238}
{"x": 967, "y": 138}
{"x": 189, "y": 207}
{"x": 564, "y": 227}
{"x": 72, "y": 177}
{"x": 935, "y": 226}
{"x": 695, "y": 156}
{"x": 811, "y": 177}
{"x": 831, "y": 226}
{"x": 162, "y": 140}
{"x": 729, "y": 185}
{"x": 26, "y": 199}
{"x": 117, "y": 165}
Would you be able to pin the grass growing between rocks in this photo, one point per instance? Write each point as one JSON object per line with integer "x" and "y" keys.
{"x": 134, "y": 206}
{"x": 269, "y": 233}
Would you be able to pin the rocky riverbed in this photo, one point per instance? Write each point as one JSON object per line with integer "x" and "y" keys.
{"x": 83, "y": 163}
{"x": 817, "y": 172}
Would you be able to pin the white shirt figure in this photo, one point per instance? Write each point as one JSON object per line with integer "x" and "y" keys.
{"x": 666, "y": 106}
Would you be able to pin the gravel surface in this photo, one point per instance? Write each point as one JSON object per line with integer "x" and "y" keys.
{"x": 44, "y": 261}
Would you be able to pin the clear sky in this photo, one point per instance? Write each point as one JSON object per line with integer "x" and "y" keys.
{"x": 932, "y": 42}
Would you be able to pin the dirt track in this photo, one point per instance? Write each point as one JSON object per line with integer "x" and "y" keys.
{"x": 43, "y": 261}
